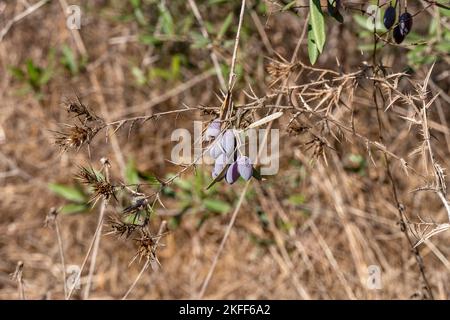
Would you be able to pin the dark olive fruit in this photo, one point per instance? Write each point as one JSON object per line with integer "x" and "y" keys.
{"x": 405, "y": 23}
{"x": 398, "y": 36}
{"x": 389, "y": 17}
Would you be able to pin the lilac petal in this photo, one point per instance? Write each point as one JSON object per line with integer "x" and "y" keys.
{"x": 219, "y": 165}
{"x": 227, "y": 142}
{"x": 211, "y": 133}
{"x": 215, "y": 124}
{"x": 213, "y": 130}
{"x": 232, "y": 173}
{"x": 245, "y": 168}
{"x": 215, "y": 151}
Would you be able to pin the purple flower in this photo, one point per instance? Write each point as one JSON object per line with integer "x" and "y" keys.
{"x": 219, "y": 165}
{"x": 245, "y": 168}
{"x": 215, "y": 150}
{"x": 227, "y": 142}
{"x": 213, "y": 130}
{"x": 232, "y": 173}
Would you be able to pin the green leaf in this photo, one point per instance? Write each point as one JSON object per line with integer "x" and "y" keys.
{"x": 140, "y": 17}
{"x": 183, "y": 184}
{"x": 68, "y": 60}
{"x": 167, "y": 24}
{"x": 135, "y": 3}
{"x": 317, "y": 23}
{"x": 131, "y": 173}
{"x": 296, "y": 199}
{"x": 72, "y": 208}
{"x": 17, "y": 73}
{"x": 149, "y": 39}
{"x": 217, "y": 206}
{"x": 139, "y": 75}
{"x": 226, "y": 24}
{"x": 313, "y": 52}
{"x": 69, "y": 193}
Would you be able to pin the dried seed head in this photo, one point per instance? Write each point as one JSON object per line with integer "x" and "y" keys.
{"x": 100, "y": 186}
{"x": 103, "y": 189}
{"x": 87, "y": 176}
{"x": 78, "y": 109}
{"x": 74, "y": 138}
{"x": 148, "y": 246}
{"x": 120, "y": 228}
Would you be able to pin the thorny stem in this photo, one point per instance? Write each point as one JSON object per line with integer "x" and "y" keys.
{"x": 236, "y": 46}
{"x": 206, "y": 36}
{"x": 440, "y": 186}
{"x": 400, "y": 207}
{"x": 162, "y": 227}
{"x": 97, "y": 239}
{"x": 244, "y": 191}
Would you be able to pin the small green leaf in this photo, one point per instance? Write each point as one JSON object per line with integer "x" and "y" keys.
{"x": 226, "y": 24}
{"x": 17, "y": 73}
{"x": 68, "y": 60}
{"x": 72, "y": 208}
{"x": 140, "y": 17}
{"x": 217, "y": 206}
{"x": 69, "y": 193}
{"x": 313, "y": 52}
{"x": 135, "y": 3}
{"x": 317, "y": 23}
{"x": 131, "y": 173}
{"x": 167, "y": 23}
{"x": 183, "y": 184}
{"x": 296, "y": 199}
{"x": 138, "y": 75}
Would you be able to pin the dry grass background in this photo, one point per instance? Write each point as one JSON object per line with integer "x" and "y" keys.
{"x": 320, "y": 249}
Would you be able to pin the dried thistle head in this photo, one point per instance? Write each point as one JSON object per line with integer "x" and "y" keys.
{"x": 121, "y": 228}
{"x": 74, "y": 137}
{"x": 78, "y": 109}
{"x": 87, "y": 176}
{"x": 148, "y": 245}
{"x": 100, "y": 186}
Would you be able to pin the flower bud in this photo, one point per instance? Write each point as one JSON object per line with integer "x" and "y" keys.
{"x": 219, "y": 165}
{"x": 232, "y": 173}
{"x": 213, "y": 130}
{"x": 245, "y": 168}
{"x": 227, "y": 142}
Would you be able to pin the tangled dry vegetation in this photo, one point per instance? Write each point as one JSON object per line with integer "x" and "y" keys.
{"x": 364, "y": 147}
